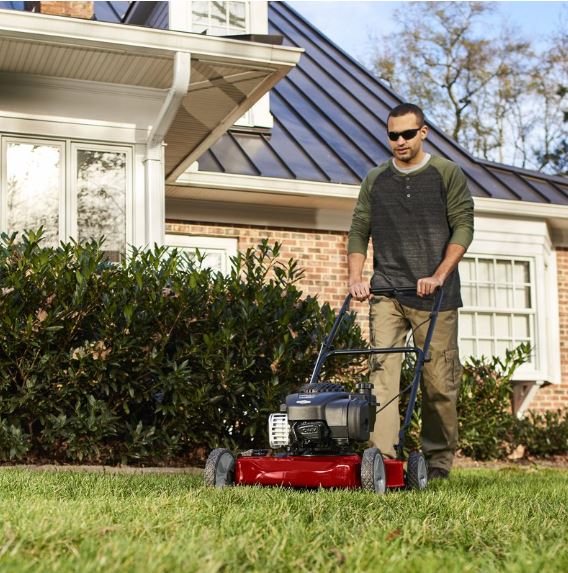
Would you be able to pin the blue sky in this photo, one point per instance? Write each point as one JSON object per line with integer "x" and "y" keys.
{"x": 352, "y": 24}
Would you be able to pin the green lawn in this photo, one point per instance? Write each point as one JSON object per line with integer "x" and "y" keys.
{"x": 480, "y": 520}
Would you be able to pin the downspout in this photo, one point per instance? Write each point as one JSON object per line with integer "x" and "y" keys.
{"x": 155, "y": 188}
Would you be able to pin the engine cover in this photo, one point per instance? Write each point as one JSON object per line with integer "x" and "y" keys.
{"x": 349, "y": 417}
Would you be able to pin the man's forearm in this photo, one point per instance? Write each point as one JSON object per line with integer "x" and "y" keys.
{"x": 358, "y": 289}
{"x": 453, "y": 255}
{"x": 355, "y": 263}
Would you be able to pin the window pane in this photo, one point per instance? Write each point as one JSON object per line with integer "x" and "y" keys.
{"x": 200, "y": 13}
{"x": 485, "y": 348}
{"x": 466, "y": 324}
{"x": 237, "y": 15}
{"x": 504, "y": 271}
{"x": 523, "y": 297}
{"x": 33, "y": 177}
{"x": 501, "y": 346}
{"x": 520, "y": 327}
{"x": 467, "y": 270}
{"x": 467, "y": 347}
{"x": 219, "y": 14}
{"x": 502, "y": 326}
{"x": 485, "y": 271}
{"x": 469, "y": 296}
{"x": 486, "y": 295}
{"x": 484, "y": 327}
{"x": 504, "y": 297}
{"x": 521, "y": 272}
{"x": 101, "y": 199}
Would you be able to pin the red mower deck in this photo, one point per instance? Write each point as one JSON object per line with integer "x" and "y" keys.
{"x": 310, "y": 471}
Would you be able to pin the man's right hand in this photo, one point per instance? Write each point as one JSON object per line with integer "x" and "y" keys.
{"x": 359, "y": 290}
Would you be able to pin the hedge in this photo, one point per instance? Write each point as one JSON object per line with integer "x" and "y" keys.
{"x": 151, "y": 359}
{"x": 159, "y": 359}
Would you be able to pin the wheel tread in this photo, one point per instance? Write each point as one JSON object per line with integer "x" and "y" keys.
{"x": 412, "y": 468}
{"x": 210, "y": 471}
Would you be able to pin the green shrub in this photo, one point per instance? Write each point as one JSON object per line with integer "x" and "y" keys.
{"x": 543, "y": 434}
{"x": 487, "y": 427}
{"x": 152, "y": 358}
{"x": 485, "y": 414}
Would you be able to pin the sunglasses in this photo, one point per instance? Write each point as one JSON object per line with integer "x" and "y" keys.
{"x": 407, "y": 134}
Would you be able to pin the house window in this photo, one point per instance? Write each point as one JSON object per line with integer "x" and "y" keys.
{"x": 217, "y": 250}
{"x": 33, "y": 182}
{"x": 71, "y": 189}
{"x": 220, "y": 18}
{"x": 499, "y": 311}
{"x": 101, "y": 190}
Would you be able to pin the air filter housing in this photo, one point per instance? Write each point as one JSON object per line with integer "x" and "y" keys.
{"x": 278, "y": 430}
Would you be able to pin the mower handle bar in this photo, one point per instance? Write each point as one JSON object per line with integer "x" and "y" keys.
{"x": 394, "y": 290}
{"x": 422, "y": 353}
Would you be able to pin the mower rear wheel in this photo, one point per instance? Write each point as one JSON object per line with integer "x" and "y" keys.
{"x": 416, "y": 471}
{"x": 323, "y": 387}
{"x": 373, "y": 475}
{"x": 220, "y": 468}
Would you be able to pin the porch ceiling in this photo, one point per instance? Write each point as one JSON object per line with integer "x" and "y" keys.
{"x": 227, "y": 76}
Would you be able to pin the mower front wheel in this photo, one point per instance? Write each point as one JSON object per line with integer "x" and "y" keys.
{"x": 220, "y": 468}
{"x": 416, "y": 471}
{"x": 373, "y": 475}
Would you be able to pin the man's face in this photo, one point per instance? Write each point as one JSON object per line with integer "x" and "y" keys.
{"x": 406, "y": 150}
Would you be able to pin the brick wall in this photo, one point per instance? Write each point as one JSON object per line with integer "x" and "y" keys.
{"x": 71, "y": 9}
{"x": 556, "y": 396}
{"x": 322, "y": 254}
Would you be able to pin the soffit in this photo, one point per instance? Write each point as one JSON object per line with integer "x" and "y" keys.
{"x": 227, "y": 76}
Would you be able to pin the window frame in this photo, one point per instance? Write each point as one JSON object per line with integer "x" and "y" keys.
{"x": 510, "y": 312}
{"x": 184, "y": 242}
{"x": 6, "y": 140}
{"x": 68, "y": 183}
{"x": 73, "y": 187}
{"x": 504, "y": 237}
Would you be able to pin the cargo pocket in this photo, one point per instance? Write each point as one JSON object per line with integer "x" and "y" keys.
{"x": 453, "y": 368}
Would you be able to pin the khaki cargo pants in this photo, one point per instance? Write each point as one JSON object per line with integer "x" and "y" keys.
{"x": 390, "y": 322}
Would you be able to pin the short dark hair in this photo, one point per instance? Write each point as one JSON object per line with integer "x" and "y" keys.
{"x": 405, "y": 108}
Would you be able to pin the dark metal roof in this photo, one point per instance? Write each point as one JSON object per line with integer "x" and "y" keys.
{"x": 330, "y": 122}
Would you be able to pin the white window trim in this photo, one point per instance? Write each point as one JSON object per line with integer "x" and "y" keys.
{"x": 192, "y": 242}
{"x": 68, "y": 183}
{"x": 528, "y": 240}
{"x": 530, "y": 313}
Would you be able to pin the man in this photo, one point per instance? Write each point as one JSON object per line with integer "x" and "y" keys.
{"x": 418, "y": 211}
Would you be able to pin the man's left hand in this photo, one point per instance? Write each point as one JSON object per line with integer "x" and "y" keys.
{"x": 428, "y": 285}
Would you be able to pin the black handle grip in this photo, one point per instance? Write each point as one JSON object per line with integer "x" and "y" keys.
{"x": 394, "y": 290}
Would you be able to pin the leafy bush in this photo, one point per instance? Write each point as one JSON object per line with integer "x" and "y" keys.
{"x": 543, "y": 434}
{"x": 485, "y": 416}
{"x": 487, "y": 426}
{"x": 152, "y": 358}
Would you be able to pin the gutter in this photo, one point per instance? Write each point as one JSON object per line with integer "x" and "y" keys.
{"x": 324, "y": 191}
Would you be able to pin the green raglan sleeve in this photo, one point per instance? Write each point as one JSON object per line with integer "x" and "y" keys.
{"x": 459, "y": 206}
{"x": 360, "y": 230}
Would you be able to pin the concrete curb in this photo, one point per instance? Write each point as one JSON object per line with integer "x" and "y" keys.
{"x": 128, "y": 470}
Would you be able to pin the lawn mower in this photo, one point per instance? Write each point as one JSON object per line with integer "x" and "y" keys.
{"x": 313, "y": 436}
